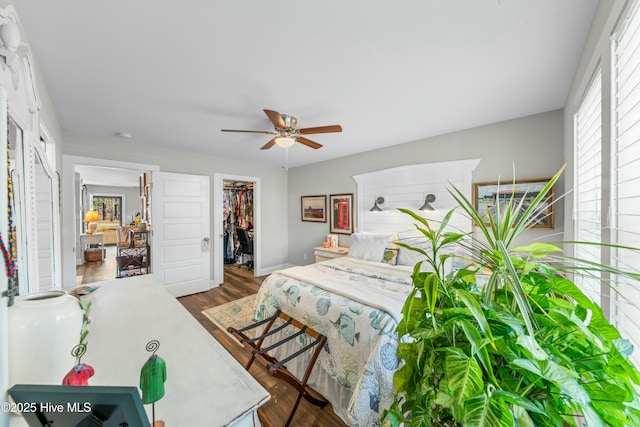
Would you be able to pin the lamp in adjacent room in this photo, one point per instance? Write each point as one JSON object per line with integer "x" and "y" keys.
{"x": 427, "y": 203}
{"x": 91, "y": 217}
{"x": 376, "y": 203}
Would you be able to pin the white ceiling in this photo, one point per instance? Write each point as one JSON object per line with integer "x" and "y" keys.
{"x": 173, "y": 73}
{"x": 114, "y": 177}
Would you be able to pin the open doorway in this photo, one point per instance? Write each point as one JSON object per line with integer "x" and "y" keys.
{"x": 93, "y": 184}
{"x": 109, "y": 203}
{"x": 238, "y": 224}
{"x": 244, "y": 191}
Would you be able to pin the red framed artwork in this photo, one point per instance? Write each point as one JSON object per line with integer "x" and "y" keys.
{"x": 341, "y": 213}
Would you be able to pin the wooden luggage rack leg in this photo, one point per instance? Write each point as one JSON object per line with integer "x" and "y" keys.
{"x": 277, "y": 368}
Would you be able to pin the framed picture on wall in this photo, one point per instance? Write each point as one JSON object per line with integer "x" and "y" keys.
{"x": 488, "y": 197}
{"x": 341, "y": 213}
{"x": 313, "y": 208}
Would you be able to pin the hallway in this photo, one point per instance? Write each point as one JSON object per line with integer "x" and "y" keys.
{"x": 97, "y": 271}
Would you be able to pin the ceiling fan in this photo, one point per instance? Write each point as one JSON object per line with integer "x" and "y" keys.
{"x": 286, "y": 133}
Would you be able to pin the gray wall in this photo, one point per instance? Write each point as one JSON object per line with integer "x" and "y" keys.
{"x": 273, "y": 180}
{"x": 532, "y": 146}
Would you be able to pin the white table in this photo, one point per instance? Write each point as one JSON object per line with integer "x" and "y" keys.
{"x": 91, "y": 239}
{"x": 205, "y": 385}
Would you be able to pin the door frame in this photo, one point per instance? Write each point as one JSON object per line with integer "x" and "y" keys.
{"x": 70, "y": 221}
{"x": 218, "y": 232}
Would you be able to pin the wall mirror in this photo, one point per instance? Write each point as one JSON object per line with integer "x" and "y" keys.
{"x": 16, "y": 209}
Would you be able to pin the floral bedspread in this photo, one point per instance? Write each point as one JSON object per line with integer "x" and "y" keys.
{"x": 357, "y": 305}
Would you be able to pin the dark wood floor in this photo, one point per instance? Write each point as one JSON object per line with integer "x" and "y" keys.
{"x": 238, "y": 283}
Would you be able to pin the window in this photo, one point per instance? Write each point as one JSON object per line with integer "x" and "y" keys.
{"x": 108, "y": 207}
{"x": 587, "y": 182}
{"x": 625, "y": 177}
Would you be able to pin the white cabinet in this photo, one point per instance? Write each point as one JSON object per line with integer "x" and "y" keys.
{"x": 323, "y": 254}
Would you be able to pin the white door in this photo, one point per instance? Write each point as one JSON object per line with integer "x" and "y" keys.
{"x": 180, "y": 249}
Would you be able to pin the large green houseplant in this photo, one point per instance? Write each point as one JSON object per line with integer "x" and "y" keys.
{"x": 527, "y": 348}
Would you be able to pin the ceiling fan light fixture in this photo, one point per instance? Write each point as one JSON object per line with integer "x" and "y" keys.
{"x": 285, "y": 141}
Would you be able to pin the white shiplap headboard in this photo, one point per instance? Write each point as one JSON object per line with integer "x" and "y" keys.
{"x": 406, "y": 187}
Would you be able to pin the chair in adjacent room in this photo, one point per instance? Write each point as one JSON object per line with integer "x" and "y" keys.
{"x": 245, "y": 247}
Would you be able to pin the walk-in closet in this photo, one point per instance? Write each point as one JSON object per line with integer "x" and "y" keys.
{"x": 238, "y": 223}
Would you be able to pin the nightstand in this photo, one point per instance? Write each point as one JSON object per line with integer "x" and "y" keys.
{"x": 323, "y": 254}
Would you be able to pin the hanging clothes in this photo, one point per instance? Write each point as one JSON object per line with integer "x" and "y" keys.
{"x": 237, "y": 211}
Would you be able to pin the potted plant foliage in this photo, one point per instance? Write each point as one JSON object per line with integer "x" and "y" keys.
{"x": 527, "y": 348}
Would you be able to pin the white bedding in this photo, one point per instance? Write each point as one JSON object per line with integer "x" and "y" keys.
{"x": 357, "y": 305}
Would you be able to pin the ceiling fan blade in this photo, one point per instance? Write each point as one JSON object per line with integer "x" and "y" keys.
{"x": 308, "y": 142}
{"x": 321, "y": 129}
{"x": 269, "y": 144}
{"x": 275, "y": 118}
{"x": 248, "y": 131}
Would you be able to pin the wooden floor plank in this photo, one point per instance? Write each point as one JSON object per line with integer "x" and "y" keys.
{"x": 238, "y": 283}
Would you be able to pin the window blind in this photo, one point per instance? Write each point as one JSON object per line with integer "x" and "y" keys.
{"x": 587, "y": 183}
{"x": 625, "y": 179}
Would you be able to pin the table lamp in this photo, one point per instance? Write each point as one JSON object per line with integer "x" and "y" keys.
{"x": 90, "y": 217}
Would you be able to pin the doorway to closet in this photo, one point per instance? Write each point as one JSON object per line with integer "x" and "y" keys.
{"x": 236, "y": 224}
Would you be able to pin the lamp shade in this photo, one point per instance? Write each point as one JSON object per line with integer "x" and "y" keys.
{"x": 91, "y": 216}
{"x": 427, "y": 203}
{"x": 376, "y": 207}
{"x": 285, "y": 141}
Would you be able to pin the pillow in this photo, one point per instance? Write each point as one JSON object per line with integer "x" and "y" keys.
{"x": 390, "y": 256}
{"x": 358, "y": 246}
{"x": 417, "y": 240}
{"x": 370, "y": 246}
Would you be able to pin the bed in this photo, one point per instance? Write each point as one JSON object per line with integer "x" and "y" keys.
{"x": 356, "y": 302}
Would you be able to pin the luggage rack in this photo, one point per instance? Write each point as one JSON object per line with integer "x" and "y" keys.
{"x": 278, "y": 368}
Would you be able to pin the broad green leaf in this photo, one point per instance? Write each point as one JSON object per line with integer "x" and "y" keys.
{"x": 431, "y": 291}
{"x": 591, "y": 416}
{"x": 537, "y": 249}
{"x": 443, "y": 399}
{"x": 476, "y": 312}
{"x": 463, "y": 374}
{"x": 478, "y": 348}
{"x": 522, "y": 417}
{"x": 624, "y": 346}
{"x": 508, "y": 319}
{"x": 533, "y": 347}
{"x": 485, "y": 411}
{"x": 558, "y": 375}
{"x": 517, "y": 400}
